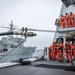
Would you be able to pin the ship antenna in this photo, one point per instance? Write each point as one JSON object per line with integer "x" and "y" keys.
{"x": 11, "y": 26}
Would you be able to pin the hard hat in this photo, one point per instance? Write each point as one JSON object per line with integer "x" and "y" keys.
{"x": 59, "y": 40}
{"x": 54, "y": 41}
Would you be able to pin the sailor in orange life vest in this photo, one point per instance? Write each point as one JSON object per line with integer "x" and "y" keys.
{"x": 67, "y": 20}
{"x": 74, "y": 52}
{"x": 68, "y": 50}
{"x": 62, "y": 21}
{"x": 60, "y": 50}
{"x": 72, "y": 15}
{"x": 52, "y": 50}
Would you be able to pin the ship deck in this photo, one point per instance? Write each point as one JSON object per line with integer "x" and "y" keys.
{"x": 38, "y": 68}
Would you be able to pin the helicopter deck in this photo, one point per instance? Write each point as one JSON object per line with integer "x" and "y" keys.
{"x": 55, "y": 65}
{"x": 50, "y": 62}
{"x": 37, "y": 68}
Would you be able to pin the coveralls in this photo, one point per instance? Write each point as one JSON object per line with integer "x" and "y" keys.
{"x": 68, "y": 49}
{"x": 52, "y": 52}
{"x": 62, "y": 21}
{"x": 72, "y": 20}
{"x": 74, "y": 51}
{"x": 67, "y": 20}
{"x": 60, "y": 52}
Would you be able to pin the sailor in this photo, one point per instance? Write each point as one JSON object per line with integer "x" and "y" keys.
{"x": 60, "y": 50}
{"x": 67, "y": 20}
{"x": 68, "y": 50}
{"x": 62, "y": 21}
{"x": 72, "y": 15}
{"x": 52, "y": 50}
{"x": 74, "y": 51}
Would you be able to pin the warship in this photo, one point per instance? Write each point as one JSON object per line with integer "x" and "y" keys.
{"x": 12, "y": 48}
{"x": 46, "y": 66}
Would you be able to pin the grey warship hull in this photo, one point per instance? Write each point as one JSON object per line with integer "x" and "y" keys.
{"x": 25, "y": 52}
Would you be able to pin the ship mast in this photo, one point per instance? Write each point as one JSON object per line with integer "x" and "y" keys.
{"x": 11, "y": 29}
{"x": 11, "y": 26}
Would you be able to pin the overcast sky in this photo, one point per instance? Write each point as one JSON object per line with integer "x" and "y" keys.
{"x": 38, "y": 14}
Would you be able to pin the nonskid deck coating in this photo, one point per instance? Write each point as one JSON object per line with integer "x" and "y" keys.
{"x": 31, "y": 70}
{"x": 50, "y": 62}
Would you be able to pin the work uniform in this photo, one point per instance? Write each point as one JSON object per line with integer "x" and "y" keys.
{"x": 62, "y": 21}
{"x": 72, "y": 20}
{"x": 74, "y": 51}
{"x": 67, "y": 20}
{"x": 68, "y": 50}
{"x": 52, "y": 52}
{"x": 60, "y": 52}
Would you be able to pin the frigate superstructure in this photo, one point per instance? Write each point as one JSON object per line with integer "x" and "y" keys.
{"x": 62, "y": 32}
{"x": 12, "y": 48}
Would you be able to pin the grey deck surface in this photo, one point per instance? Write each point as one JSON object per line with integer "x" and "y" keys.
{"x": 31, "y": 70}
{"x": 51, "y": 62}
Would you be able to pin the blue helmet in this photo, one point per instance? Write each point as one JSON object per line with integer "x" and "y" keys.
{"x": 59, "y": 40}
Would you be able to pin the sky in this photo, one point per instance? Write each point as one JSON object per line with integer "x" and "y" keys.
{"x": 35, "y": 14}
